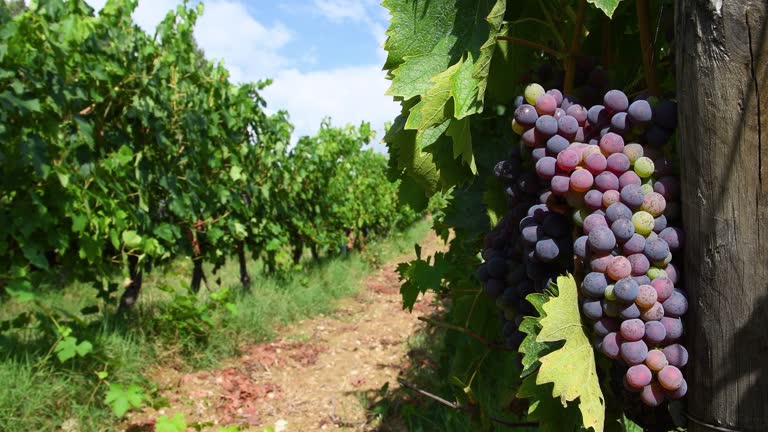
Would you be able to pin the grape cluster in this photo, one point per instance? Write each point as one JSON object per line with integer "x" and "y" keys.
{"x": 624, "y": 201}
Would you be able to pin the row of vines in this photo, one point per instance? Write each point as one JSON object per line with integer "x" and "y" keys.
{"x": 121, "y": 151}
{"x": 562, "y": 277}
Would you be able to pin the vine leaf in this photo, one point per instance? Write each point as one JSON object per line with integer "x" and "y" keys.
{"x": 572, "y": 368}
{"x": 421, "y": 275}
{"x": 530, "y": 348}
{"x": 549, "y": 412}
{"x": 439, "y": 56}
{"x": 607, "y": 6}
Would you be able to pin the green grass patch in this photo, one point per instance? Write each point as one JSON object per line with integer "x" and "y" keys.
{"x": 38, "y": 391}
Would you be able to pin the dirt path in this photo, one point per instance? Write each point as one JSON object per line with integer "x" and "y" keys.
{"x": 321, "y": 374}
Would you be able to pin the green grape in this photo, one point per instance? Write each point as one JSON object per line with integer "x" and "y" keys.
{"x": 609, "y": 294}
{"x": 643, "y": 222}
{"x": 646, "y": 189}
{"x": 644, "y": 167}
{"x": 532, "y": 93}
{"x": 655, "y": 272}
{"x": 517, "y": 128}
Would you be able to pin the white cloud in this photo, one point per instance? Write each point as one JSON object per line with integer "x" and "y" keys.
{"x": 347, "y": 95}
{"x": 339, "y": 10}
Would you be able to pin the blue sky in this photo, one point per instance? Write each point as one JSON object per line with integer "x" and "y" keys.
{"x": 325, "y": 56}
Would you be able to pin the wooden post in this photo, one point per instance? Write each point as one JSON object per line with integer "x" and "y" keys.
{"x": 722, "y": 82}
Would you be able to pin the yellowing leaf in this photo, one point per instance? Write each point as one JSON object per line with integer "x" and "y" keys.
{"x": 572, "y": 368}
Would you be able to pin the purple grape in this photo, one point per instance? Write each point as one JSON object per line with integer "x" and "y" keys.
{"x": 620, "y": 123}
{"x": 556, "y": 144}
{"x": 633, "y": 353}
{"x": 606, "y": 181}
{"x": 623, "y": 229}
{"x": 560, "y": 184}
{"x": 601, "y": 239}
{"x": 557, "y": 94}
{"x": 597, "y": 115}
{"x": 676, "y": 355}
{"x": 640, "y": 264}
{"x": 634, "y": 245}
{"x": 616, "y": 101}
{"x": 538, "y": 153}
{"x": 654, "y": 313}
{"x": 641, "y": 280}
{"x": 659, "y": 224}
{"x": 611, "y": 345}
{"x": 546, "y": 126}
{"x": 526, "y": 116}
{"x": 626, "y": 290}
{"x": 655, "y": 332}
{"x": 580, "y": 247}
{"x": 567, "y": 126}
{"x": 632, "y": 195}
{"x": 532, "y": 234}
{"x": 632, "y": 330}
{"x": 680, "y": 392}
{"x": 592, "y": 309}
{"x": 676, "y": 305}
{"x": 547, "y": 250}
{"x": 652, "y": 395}
{"x": 672, "y": 273}
{"x": 594, "y": 284}
{"x": 494, "y": 287}
{"x": 616, "y": 212}
{"x": 611, "y": 143}
{"x": 593, "y": 221}
{"x": 640, "y": 112}
{"x": 670, "y": 378}
{"x": 538, "y": 212}
{"x": 628, "y": 178}
{"x": 603, "y": 326}
{"x": 665, "y": 114}
{"x": 546, "y": 167}
{"x": 638, "y": 376}
{"x": 593, "y": 199}
{"x": 578, "y": 113}
{"x": 656, "y": 249}
{"x": 629, "y": 311}
{"x": 673, "y": 328}
{"x": 674, "y": 238}
{"x": 530, "y": 138}
{"x": 618, "y": 163}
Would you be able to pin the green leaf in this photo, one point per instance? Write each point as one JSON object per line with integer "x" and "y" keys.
{"x": 607, "y": 6}
{"x": 421, "y": 275}
{"x": 549, "y": 412}
{"x": 21, "y": 296}
{"x": 530, "y": 348}
{"x": 177, "y": 423}
{"x": 572, "y": 368}
{"x": 236, "y": 173}
{"x": 462, "y": 142}
{"x": 121, "y": 399}
{"x": 131, "y": 239}
{"x": 68, "y": 348}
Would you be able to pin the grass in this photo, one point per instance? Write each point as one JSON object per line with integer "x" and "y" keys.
{"x": 169, "y": 326}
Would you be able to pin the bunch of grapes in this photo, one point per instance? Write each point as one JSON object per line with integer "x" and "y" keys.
{"x": 502, "y": 272}
{"x": 624, "y": 199}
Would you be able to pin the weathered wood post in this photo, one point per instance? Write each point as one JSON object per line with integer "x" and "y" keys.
{"x": 722, "y": 76}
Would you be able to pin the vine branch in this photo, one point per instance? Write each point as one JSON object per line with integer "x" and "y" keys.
{"x": 570, "y": 61}
{"x": 459, "y": 407}
{"x": 465, "y": 331}
{"x": 646, "y": 46}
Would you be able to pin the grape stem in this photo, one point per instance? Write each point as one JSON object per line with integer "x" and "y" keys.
{"x": 570, "y": 61}
{"x": 467, "y": 332}
{"x": 531, "y": 44}
{"x": 456, "y": 406}
{"x": 644, "y": 22}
